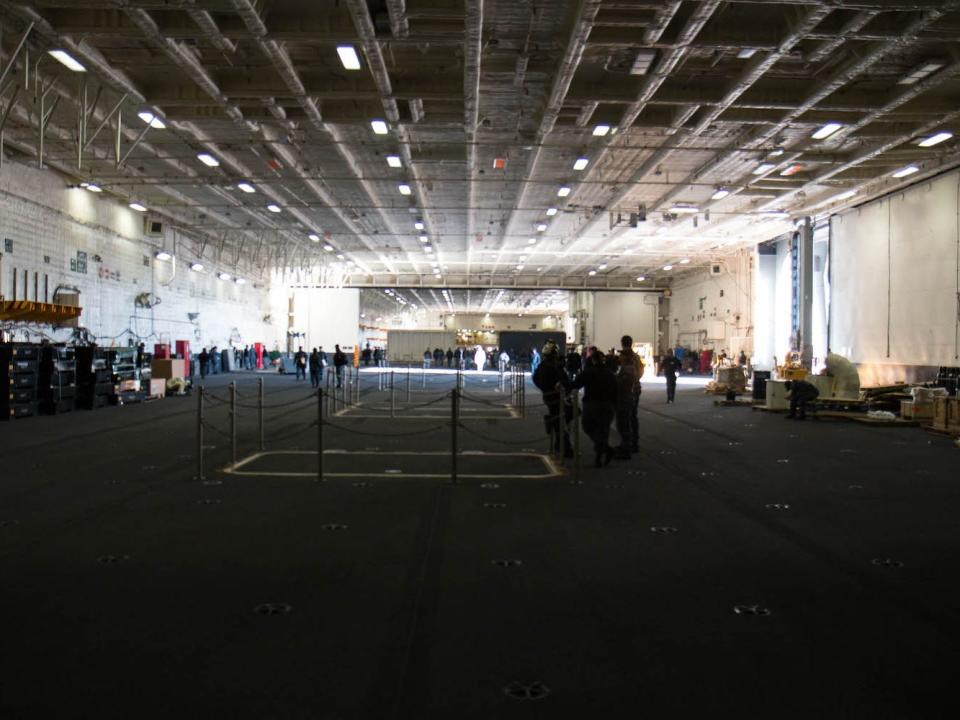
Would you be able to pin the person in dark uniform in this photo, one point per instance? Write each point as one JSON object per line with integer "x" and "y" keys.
{"x": 339, "y": 363}
{"x": 366, "y": 355}
{"x": 669, "y": 366}
{"x": 574, "y": 363}
{"x": 378, "y": 357}
{"x": 427, "y": 358}
{"x": 599, "y": 405}
{"x": 300, "y": 363}
{"x": 449, "y": 357}
{"x": 801, "y": 394}
{"x": 437, "y": 357}
{"x": 629, "y": 371}
{"x": 554, "y": 384}
{"x": 315, "y": 368}
{"x": 204, "y": 363}
{"x": 322, "y": 360}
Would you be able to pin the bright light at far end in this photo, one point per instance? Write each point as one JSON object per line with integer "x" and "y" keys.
{"x": 94, "y": 188}
{"x": 314, "y": 237}
{"x": 563, "y": 192}
{"x": 246, "y": 187}
{"x": 208, "y": 160}
{"x": 273, "y": 208}
{"x": 551, "y": 212}
{"x": 162, "y": 255}
{"x": 348, "y": 56}
{"x": 404, "y": 189}
{"x": 827, "y": 130}
{"x": 601, "y": 130}
{"x": 224, "y": 276}
{"x": 532, "y": 241}
{"x": 668, "y": 268}
{"x": 685, "y": 261}
{"x": 902, "y": 172}
{"x": 394, "y": 161}
{"x": 720, "y": 194}
{"x": 328, "y": 248}
{"x": 542, "y": 227}
{"x": 137, "y": 206}
{"x": 640, "y": 278}
{"x": 67, "y": 60}
{"x": 379, "y": 127}
{"x": 581, "y": 163}
{"x": 592, "y": 273}
{"x": 418, "y": 225}
{"x": 152, "y": 120}
{"x": 239, "y": 281}
{"x": 935, "y": 139}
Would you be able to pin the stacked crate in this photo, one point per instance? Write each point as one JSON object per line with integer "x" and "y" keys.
{"x": 94, "y": 380}
{"x": 57, "y": 379}
{"x": 19, "y": 365}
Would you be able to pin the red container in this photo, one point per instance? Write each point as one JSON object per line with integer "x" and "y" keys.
{"x": 183, "y": 350}
{"x": 258, "y": 350}
{"x": 706, "y": 361}
{"x": 161, "y": 352}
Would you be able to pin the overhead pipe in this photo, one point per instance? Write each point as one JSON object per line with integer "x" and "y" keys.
{"x": 850, "y": 27}
{"x": 204, "y": 20}
{"x": 363, "y": 24}
{"x": 473, "y": 33}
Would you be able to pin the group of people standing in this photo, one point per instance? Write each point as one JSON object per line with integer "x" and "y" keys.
{"x": 460, "y": 358}
{"x": 212, "y": 362}
{"x": 376, "y": 355}
{"x": 611, "y": 391}
{"x": 316, "y": 361}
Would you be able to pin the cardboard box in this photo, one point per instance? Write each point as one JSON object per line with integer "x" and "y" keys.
{"x": 158, "y": 388}
{"x": 129, "y": 385}
{"x": 941, "y": 412}
{"x": 911, "y": 410}
{"x": 167, "y": 369}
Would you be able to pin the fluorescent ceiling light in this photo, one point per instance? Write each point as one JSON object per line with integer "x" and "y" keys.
{"x": 826, "y": 130}
{"x": 602, "y": 266}
{"x": 224, "y": 276}
{"x": 763, "y": 168}
{"x": 404, "y": 189}
{"x": 341, "y": 256}
{"x": 551, "y": 212}
{"x": 720, "y": 194}
{"x": 67, "y": 60}
{"x": 640, "y": 278}
{"x": 152, "y": 120}
{"x": 542, "y": 227}
{"x": 379, "y": 127}
{"x": 197, "y": 267}
{"x": 138, "y": 207}
{"x": 903, "y": 172}
{"x": 418, "y": 225}
{"x": 592, "y": 273}
{"x": 394, "y": 161}
{"x": 273, "y": 208}
{"x": 519, "y": 267}
{"x": 532, "y": 241}
{"x": 208, "y": 160}
{"x": 668, "y": 268}
{"x": 684, "y": 209}
{"x": 846, "y": 195}
{"x": 581, "y": 163}
{"x": 776, "y": 152}
{"x": 314, "y": 237}
{"x": 93, "y": 188}
{"x": 920, "y": 72}
{"x": 424, "y": 239}
{"x": 437, "y": 275}
{"x": 746, "y": 53}
{"x": 791, "y": 170}
{"x": 685, "y": 261}
{"x": 563, "y": 192}
{"x": 348, "y": 56}
{"x": 328, "y": 248}
{"x": 239, "y": 281}
{"x": 246, "y": 187}
{"x": 935, "y": 139}
{"x": 601, "y": 130}
{"x": 162, "y": 255}
{"x": 428, "y": 249}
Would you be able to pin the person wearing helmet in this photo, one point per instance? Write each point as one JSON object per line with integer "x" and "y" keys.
{"x": 554, "y": 384}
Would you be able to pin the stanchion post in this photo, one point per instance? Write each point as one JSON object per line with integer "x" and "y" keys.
{"x": 260, "y": 412}
{"x": 200, "y": 434}
{"x": 233, "y": 422}
{"x": 393, "y": 404}
{"x": 576, "y": 435}
{"x": 454, "y": 413}
{"x": 320, "y": 435}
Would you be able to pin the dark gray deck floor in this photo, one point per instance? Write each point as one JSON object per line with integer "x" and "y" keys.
{"x": 128, "y": 589}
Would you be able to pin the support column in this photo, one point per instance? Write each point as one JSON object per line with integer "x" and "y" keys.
{"x": 805, "y": 291}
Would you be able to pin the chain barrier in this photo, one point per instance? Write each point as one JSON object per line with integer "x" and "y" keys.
{"x": 382, "y": 434}
{"x": 526, "y": 441}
